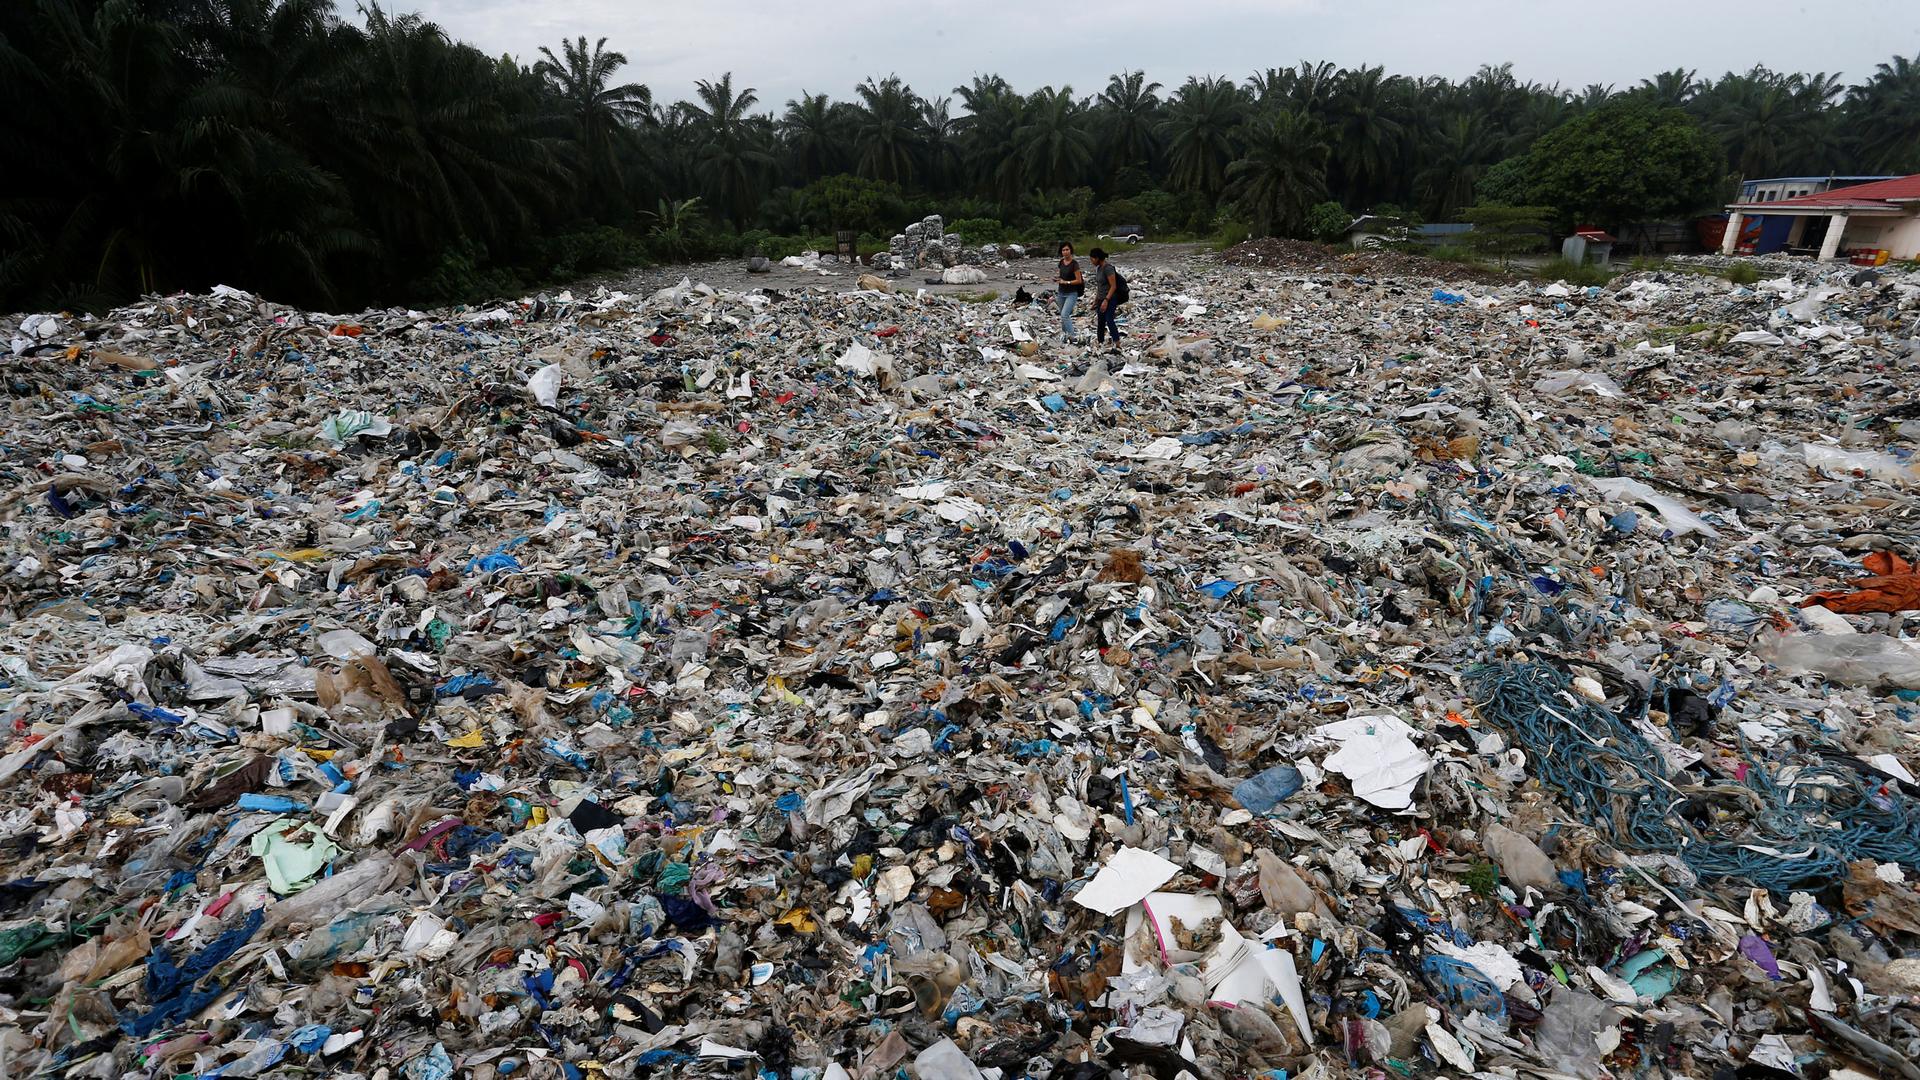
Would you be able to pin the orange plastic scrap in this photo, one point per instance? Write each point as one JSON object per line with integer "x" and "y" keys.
{"x": 1894, "y": 587}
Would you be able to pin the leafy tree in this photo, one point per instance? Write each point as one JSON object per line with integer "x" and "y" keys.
{"x": 1505, "y": 231}
{"x": 851, "y": 202}
{"x": 1626, "y": 161}
{"x": 1327, "y": 221}
{"x": 1505, "y": 182}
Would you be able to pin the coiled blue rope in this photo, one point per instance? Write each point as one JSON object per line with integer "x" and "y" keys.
{"x": 1783, "y": 835}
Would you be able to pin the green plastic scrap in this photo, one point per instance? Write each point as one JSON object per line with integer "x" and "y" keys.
{"x": 290, "y": 864}
{"x": 337, "y": 429}
{"x": 674, "y": 877}
{"x": 24, "y": 940}
{"x": 1650, "y": 974}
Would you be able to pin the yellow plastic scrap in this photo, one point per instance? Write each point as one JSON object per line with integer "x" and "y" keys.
{"x": 472, "y": 740}
{"x": 784, "y": 695}
{"x": 800, "y": 920}
{"x": 302, "y": 555}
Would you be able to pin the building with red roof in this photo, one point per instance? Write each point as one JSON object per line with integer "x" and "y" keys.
{"x": 1862, "y": 219}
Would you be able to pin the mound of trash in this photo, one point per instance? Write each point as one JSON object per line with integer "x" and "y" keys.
{"x": 1342, "y": 676}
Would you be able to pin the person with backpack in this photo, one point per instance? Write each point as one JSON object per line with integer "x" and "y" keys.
{"x": 1109, "y": 292}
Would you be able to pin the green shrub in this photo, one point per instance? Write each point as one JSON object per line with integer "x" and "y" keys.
{"x": 1743, "y": 273}
{"x": 463, "y": 275}
{"x": 755, "y": 241}
{"x": 1564, "y": 269}
{"x": 975, "y": 231}
{"x": 1049, "y": 231}
{"x": 1228, "y": 232}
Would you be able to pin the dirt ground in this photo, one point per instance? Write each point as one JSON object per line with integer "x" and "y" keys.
{"x": 1034, "y": 274}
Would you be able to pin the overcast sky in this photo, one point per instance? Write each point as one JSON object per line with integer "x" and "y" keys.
{"x": 935, "y": 45}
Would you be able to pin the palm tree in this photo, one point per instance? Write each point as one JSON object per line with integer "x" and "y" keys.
{"x": 1670, "y": 89}
{"x": 1884, "y": 116}
{"x": 1594, "y": 96}
{"x": 994, "y": 114}
{"x": 1312, "y": 88}
{"x": 1456, "y": 150}
{"x": 940, "y": 132}
{"x": 1364, "y": 133}
{"x": 1128, "y": 109}
{"x": 1053, "y": 142}
{"x": 1545, "y": 109}
{"x": 1283, "y": 173}
{"x": 601, "y": 114}
{"x": 888, "y": 135}
{"x": 1492, "y": 92}
{"x": 1757, "y": 118}
{"x": 734, "y": 154}
{"x": 672, "y": 224}
{"x": 1201, "y": 130}
{"x": 815, "y": 136}
{"x": 1270, "y": 86}
{"x": 444, "y": 157}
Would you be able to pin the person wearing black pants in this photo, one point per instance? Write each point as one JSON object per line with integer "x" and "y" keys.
{"x": 1104, "y": 301}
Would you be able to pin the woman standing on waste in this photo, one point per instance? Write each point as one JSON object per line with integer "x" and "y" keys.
{"x": 1072, "y": 284}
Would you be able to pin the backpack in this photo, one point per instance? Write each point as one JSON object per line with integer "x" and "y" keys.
{"x": 1121, "y": 294}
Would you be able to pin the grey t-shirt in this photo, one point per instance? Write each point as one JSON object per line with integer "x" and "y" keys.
{"x": 1066, "y": 271}
{"x": 1102, "y": 281}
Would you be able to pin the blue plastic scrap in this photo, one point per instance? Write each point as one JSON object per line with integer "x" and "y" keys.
{"x": 432, "y": 1065}
{"x": 1262, "y": 792}
{"x": 1221, "y": 588}
{"x": 170, "y": 987}
{"x": 273, "y": 804}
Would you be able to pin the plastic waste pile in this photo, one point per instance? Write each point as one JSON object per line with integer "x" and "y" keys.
{"x": 924, "y": 244}
{"x": 1353, "y": 674}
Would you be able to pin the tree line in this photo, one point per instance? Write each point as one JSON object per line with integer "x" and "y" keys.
{"x": 342, "y": 158}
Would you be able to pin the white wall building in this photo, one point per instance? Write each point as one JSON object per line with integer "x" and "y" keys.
{"x": 1881, "y": 216}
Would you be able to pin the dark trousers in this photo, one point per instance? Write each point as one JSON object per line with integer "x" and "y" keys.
{"x": 1103, "y": 322}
